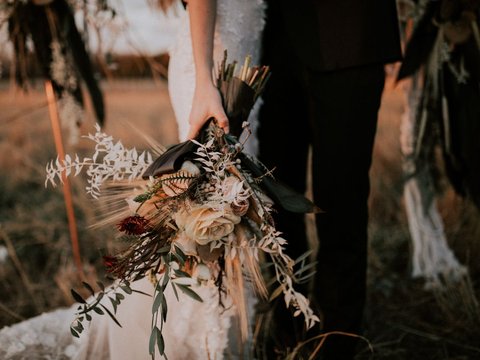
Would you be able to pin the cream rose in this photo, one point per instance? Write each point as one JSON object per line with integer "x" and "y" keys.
{"x": 187, "y": 245}
{"x": 205, "y": 224}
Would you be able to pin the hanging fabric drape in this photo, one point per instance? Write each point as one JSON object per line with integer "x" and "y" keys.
{"x": 443, "y": 59}
{"x": 432, "y": 258}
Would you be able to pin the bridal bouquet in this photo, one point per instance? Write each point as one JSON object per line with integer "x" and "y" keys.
{"x": 199, "y": 215}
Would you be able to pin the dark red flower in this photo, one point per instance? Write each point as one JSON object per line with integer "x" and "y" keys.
{"x": 133, "y": 225}
{"x": 113, "y": 265}
{"x": 109, "y": 261}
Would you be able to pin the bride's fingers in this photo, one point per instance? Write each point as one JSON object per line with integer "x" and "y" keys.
{"x": 222, "y": 120}
{"x": 219, "y": 116}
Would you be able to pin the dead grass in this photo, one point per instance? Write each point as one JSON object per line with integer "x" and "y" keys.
{"x": 33, "y": 218}
{"x": 403, "y": 320}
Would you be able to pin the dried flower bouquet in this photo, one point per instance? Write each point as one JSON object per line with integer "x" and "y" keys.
{"x": 201, "y": 214}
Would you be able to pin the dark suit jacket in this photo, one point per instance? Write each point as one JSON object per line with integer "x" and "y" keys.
{"x": 335, "y": 34}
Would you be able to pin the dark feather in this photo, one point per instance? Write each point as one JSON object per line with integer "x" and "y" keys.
{"x": 171, "y": 160}
{"x": 420, "y": 44}
{"x": 238, "y": 99}
{"x": 29, "y": 20}
{"x": 82, "y": 59}
{"x": 280, "y": 193}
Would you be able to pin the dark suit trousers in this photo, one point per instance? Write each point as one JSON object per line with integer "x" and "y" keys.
{"x": 336, "y": 114}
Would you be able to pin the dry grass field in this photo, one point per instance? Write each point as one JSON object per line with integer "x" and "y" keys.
{"x": 403, "y": 320}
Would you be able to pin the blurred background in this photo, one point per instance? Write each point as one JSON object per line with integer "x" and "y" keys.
{"x": 127, "y": 42}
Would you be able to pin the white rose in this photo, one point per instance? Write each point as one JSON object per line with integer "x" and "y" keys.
{"x": 205, "y": 224}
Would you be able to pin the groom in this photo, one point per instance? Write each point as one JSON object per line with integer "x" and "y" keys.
{"x": 326, "y": 58}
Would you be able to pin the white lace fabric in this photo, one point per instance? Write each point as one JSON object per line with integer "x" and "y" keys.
{"x": 46, "y": 336}
{"x": 238, "y": 30}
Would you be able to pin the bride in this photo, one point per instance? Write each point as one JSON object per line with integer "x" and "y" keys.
{"x": 193, "y": 330}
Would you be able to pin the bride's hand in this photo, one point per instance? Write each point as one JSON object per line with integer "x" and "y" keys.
{"x": 207, "y": 103}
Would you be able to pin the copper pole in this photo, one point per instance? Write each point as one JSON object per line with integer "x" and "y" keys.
{"x": 67, "y": 190}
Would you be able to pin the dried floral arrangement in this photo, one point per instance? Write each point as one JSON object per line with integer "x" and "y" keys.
{"x": 200, "y": 215}
{"x": 442, "y": 57}
{"x": 58, "y": 48}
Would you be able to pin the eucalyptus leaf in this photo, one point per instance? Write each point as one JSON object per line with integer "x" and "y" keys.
{"x": 181, "y": 273}
{"x": 111, "y": 315}
{"x": 164, "y": 308}
{"x": 77, "y": 297}
{"x": 98, "y": 310}
{"x": 175, "y": 290}
{"x": 157, "y": 302}
{"x": 141, "y": 292}
{"x": 164, "y": 249}
{"x": 165, "y": 281}
{"x": 160, "y": 342}
{"x": 188, "y": 291}
{"x": 79, "y": 327}
{"x": 180, "y": 253}
{"x": 100, "y": 296}
{"x": 74, "y": 333}
{"x": 101, "y": 286}
{"x": 114, "y": 304}
{"x": 126, "y": 288}
{"x": 88, "y": 287}
{"x": 152, "y": 341}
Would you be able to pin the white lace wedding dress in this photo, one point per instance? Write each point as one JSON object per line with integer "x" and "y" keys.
{"x": 238, "y": 30}
{"x": 193, "y": 330}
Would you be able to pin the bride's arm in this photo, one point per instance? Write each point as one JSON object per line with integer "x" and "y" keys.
{"x": 207, "y": 102}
